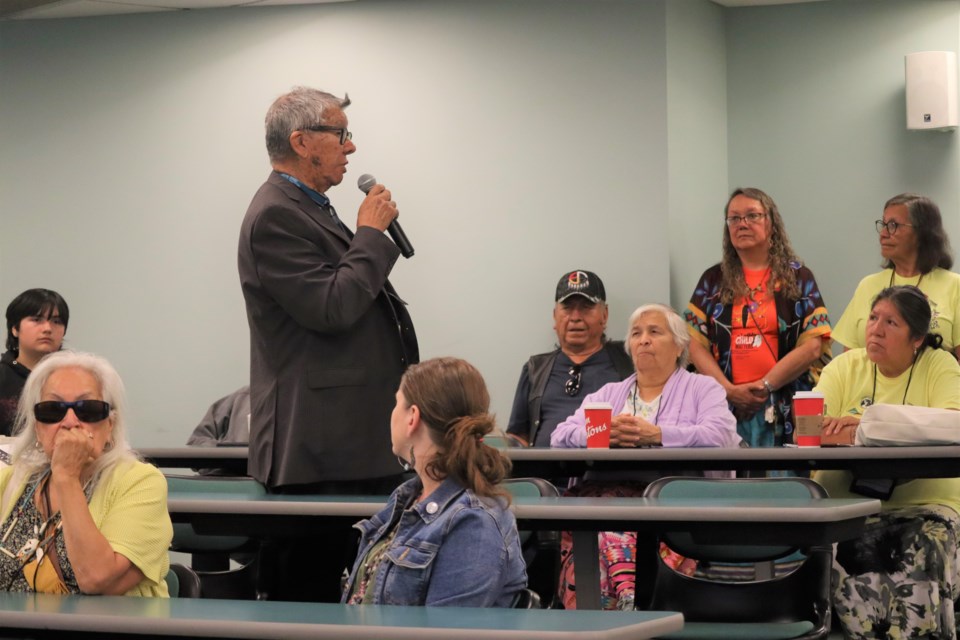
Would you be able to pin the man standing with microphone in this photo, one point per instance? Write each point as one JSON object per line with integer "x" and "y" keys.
{"x": 329, "y": 337}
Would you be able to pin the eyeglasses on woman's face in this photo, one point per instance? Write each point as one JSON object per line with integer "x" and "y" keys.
{"x": 750, "y": 218}
{"x": 891, "y": 226}
{"x": 53, "y": 411}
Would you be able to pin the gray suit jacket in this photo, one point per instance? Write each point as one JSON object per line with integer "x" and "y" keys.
{"x": 329, "y": 340}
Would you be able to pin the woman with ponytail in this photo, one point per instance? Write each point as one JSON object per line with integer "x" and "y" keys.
{"x": 446, "y": 537}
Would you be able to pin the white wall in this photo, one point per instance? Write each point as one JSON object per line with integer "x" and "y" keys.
{"x": 817, "y": 119}
{"x": 521, "y": 140}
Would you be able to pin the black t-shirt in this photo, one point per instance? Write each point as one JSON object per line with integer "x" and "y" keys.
{"x": 556, "y": 406}
{"x": 13, "y": 376}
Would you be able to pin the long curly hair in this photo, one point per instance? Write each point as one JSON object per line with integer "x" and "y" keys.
{"x": 783, "y": 261}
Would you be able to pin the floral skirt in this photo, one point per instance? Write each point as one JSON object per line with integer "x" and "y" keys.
{"x": 618, "y": 555}
{"x": 901, "y": 579}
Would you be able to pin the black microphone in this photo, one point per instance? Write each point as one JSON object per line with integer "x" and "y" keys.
{"x": 367, "y": 182}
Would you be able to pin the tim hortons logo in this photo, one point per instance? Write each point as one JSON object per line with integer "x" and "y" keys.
{"x": 593, "y": 430}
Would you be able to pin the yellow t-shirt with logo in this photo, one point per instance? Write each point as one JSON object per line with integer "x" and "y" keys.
{"x": 847, "y": 384}
{"x": 942, "y": 287}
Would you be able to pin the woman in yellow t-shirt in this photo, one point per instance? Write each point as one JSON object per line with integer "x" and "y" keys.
{"x": 903, "y": 573}
{"x": 915, "y": 250}
{"x": 79, "y": 513}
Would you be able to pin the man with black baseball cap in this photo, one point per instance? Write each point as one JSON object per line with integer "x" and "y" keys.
{"x": 552, "y": 385}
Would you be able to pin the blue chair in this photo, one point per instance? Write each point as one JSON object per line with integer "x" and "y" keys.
{"x": 541, "y": 549}
{"x": 211, "y": 554}
{"x": 182, "y": 582}
{"x": 503, "y": 441}
{"x": 791, "y": 606}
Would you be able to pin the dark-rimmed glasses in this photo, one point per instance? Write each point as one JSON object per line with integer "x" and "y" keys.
{"x": 53, "y": 411}
{"x": 891, "y": 226}
{"x": 751, "y": 218}
{"x": 341, "y": 131}
{"x": 572, "y": 386}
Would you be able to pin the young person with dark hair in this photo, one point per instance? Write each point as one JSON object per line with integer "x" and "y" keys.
{"x": 36, "y": 323}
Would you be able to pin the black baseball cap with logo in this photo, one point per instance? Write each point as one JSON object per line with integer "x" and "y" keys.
{"x": 581, "y": 283}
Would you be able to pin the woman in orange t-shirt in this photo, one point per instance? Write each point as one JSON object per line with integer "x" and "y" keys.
{"x": 758, "y": 321}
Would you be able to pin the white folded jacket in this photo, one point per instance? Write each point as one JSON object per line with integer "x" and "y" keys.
{"x": 897, "y": 425}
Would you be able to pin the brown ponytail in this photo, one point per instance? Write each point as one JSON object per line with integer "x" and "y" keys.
{"x": 454, "y": 405}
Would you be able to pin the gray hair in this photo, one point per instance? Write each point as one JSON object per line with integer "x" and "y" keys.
{"x": 933, "y": 244}
{"x": 676, "y": 324}
{"x": 300, "y": 109}
{"x": 28, "y": 457}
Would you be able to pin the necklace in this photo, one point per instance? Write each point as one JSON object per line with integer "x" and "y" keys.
{"x": 893, "y": 272}
{"x": 16, "y": 516}
{"x": 752, "y": 291}
{"x": 873, "y": 394}
{"x": 636, "y": 410}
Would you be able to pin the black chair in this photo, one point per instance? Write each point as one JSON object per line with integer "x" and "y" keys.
{"x": 527, "y": 599}
{"x": 791, "y": 606}
{"x": 183, "y": 582}
{"x": 541, "y": 549}
{"x": 211, "y": 554}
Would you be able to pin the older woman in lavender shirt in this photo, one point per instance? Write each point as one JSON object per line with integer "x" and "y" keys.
{"x": 662, "y": 404}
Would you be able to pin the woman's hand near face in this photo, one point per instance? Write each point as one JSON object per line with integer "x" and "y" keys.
{"x": 633, "y": 431}
{"x": 73, "y": 449}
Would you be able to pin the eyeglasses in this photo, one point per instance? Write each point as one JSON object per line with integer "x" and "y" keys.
{"x": 342, "y": 131}
{"x": 52, "y": 411}
{"x": 891, "y": 226}
{"x": 572, "y": 385}
{"x": 751, "y": 218}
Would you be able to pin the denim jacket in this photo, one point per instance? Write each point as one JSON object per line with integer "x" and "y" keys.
{"x": 451, "y": 549}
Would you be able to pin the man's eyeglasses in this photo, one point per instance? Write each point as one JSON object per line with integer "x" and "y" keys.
{"x": 341, "y": 131}
{"x": 53, "y": 411}
{"x": 891, "y": 226}
{"x": 572, "y": 385}
{"x": 751, "y": 218}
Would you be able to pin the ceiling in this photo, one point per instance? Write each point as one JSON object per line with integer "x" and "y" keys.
{"x": 45, "y": 9}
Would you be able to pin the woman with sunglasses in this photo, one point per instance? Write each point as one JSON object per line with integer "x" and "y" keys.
{"x": 757, "y": 320}
{"x": 916, "y": 251}
{"x": 79, "y": 513}
{"x": 901, "y": 578}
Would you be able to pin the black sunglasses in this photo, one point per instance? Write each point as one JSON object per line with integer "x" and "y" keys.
{"x": 572, "y": 385}
{"x": 52, "y": 411}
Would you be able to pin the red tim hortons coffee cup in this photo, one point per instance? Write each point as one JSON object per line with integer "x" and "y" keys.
{"x": 599, "y": 415}
{"x": 808, "y": 417}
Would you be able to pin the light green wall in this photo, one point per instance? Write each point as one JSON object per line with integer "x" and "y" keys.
{"x": 697, "y": 133}
{"x": 817, "y": 119}
{"x": 521, "y": 140}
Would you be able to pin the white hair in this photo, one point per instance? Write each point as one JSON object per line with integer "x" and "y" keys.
{"x": 28, "y": 457}
{"x": 678, "y": 328}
